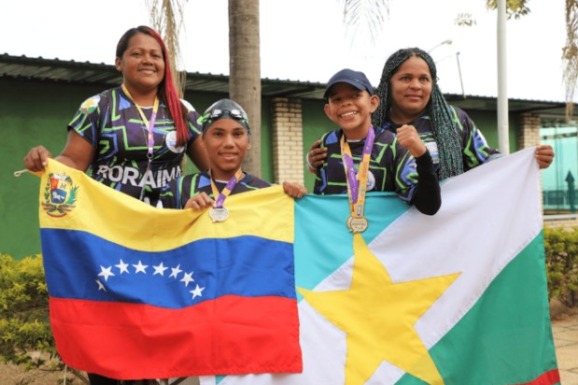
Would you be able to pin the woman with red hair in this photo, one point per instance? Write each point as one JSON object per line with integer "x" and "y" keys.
{"x": 133, "y": 137}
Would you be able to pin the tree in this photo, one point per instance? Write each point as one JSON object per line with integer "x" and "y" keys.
{"x": 245, "y": 71}
{"x": 570, "y": 55}
{"x": 167, "y": 20}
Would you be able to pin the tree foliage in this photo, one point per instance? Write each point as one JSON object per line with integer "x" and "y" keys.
{"x": 570, "y": 55}
{"x": 167, "y": 19}
{"x": 514, "y": 8}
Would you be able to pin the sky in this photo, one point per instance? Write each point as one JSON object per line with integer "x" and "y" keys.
{"x": 306, "y": 40}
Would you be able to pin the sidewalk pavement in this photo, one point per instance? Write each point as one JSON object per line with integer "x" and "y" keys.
{"x": 566, "y": 341}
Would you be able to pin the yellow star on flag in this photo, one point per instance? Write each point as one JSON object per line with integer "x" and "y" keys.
{"x": 379, "y": 316}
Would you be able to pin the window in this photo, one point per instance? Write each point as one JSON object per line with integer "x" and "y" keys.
{"x": 560, "y": 179}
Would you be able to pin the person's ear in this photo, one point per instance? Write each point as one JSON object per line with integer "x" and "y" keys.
{"x": 374, "y": 100}
{"x": 118, "y": 64}
{"x": 327, "y": 110}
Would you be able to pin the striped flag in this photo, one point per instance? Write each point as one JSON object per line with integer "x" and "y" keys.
{"x": 140, "y": 292}
{"x": 458, "y": 298}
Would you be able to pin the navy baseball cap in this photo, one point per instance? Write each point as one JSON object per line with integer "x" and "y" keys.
{"x": 355, "y": 78}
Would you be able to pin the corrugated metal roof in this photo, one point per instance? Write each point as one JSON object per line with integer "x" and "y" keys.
{"x": 55, "y": 70}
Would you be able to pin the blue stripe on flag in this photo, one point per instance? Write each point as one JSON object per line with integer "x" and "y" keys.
{"x": 93, "y": 268}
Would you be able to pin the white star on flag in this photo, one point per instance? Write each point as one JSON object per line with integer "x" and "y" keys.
{"x": 160, "y": 269}
{"x": 105, "y": 272}
{"x": 100, "y": 286}
{"x": 175, "y": 271}
{"x": 187, "y": 278}
{"x": 197, "y": 292}
{"x": 122, "y": 267}
{"x": 140, "y": 268}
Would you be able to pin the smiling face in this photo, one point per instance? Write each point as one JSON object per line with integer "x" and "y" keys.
{"x": 410, "y": 88}
{"x": 142, "y": 65}
{"x": 226, "y": 141}
{"x": 351, "y": 109}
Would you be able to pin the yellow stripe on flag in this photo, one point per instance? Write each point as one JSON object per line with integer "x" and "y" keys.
{"x": 152, "y": 229}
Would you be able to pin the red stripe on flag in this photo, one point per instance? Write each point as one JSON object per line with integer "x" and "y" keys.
{"x": 231, "y": 335}
{"x": 551, "y": 377}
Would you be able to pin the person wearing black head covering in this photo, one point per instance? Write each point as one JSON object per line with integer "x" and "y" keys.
{"x": 226, "y": 135}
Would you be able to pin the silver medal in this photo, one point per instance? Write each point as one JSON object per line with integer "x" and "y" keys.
{"x": 219, "y": 214}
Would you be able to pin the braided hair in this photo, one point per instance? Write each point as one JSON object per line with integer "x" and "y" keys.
{"x": 167, "y": 90}
{"x": 443, "y": 128}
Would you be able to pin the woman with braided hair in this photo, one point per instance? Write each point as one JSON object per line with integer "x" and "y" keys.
{"x": 410, "y": 95}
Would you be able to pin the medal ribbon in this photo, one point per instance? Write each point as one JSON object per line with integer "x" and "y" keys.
{"x": 357, "y": 182}
{"x": 150, "y": 137}
{"x": 221, "y": 196}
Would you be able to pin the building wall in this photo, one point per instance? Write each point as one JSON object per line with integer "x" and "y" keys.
{"x": 34, "y": 113}
{"x": 37, "y": 113}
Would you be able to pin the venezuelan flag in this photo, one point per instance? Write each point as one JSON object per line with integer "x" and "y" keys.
{"x": 141, "y": 292}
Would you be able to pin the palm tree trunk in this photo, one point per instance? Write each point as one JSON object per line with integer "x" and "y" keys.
{"x": 245, "y": 72}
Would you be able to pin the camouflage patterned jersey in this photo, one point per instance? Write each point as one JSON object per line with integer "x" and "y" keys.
{"x": 111, "y": 123}
{"x": 476, "y": 150}
{"x": 177, "y": 192}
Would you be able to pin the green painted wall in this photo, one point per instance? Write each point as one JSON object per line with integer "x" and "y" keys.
{"x": 33, "y": 113}
{"x": 315, "y": 124}
{"x": 486, "y": 121}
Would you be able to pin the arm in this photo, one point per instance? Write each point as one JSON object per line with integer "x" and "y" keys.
{"x": 427, "y": 195}
{"x": 316, "y": 156}
{"x": 198, "y": 154}
{"x": 294, "y": 190}
{"x": 78, "y": 153}
{"x": 544, "y": 155}
{"x": 199, "y": 202}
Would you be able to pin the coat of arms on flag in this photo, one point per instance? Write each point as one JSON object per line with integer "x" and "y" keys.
{"x": 141, "y": 292}
{"x": 458, "y": 298}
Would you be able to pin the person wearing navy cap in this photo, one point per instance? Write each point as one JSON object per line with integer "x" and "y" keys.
{"x": 226, "y": 136}
{"x": 361, "y": 159}
{"x": 410, "y": 95}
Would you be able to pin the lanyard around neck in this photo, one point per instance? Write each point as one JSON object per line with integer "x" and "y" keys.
{"x": 149, "y": 124}
{"x": 150, "y": 134}
{"x": 357, "y": 181}
{"x": 221, "y": 196}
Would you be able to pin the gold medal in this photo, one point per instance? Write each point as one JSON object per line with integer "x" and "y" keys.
{"x": 357, "y": 224}
{"x": 219, "y": 214}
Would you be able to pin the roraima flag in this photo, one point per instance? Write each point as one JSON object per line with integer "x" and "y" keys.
{"x": 458, "y": 298}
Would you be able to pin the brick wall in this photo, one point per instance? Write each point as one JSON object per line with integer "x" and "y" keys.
{"x": 287, "y": 138}
{"x": 530, "y": 136}
{"x": 530, "y": 130}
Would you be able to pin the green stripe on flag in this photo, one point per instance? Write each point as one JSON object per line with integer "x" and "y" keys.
{"x": 508, "y": 329}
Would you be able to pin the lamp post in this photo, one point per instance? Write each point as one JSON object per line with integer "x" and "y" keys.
{"x": 460, "y": 74}
{"x": 447, "y": 41}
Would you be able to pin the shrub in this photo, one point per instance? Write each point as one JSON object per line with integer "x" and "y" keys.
{"x": 24, "y": 325}
{"x": 562, "y": 264}
{"x": 25, "y": 335}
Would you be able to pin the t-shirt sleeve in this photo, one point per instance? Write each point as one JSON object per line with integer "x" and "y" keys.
{"x": 193, "y": 121}
{"x": 86, "y": 121}
{"x": 476, "y": 151}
